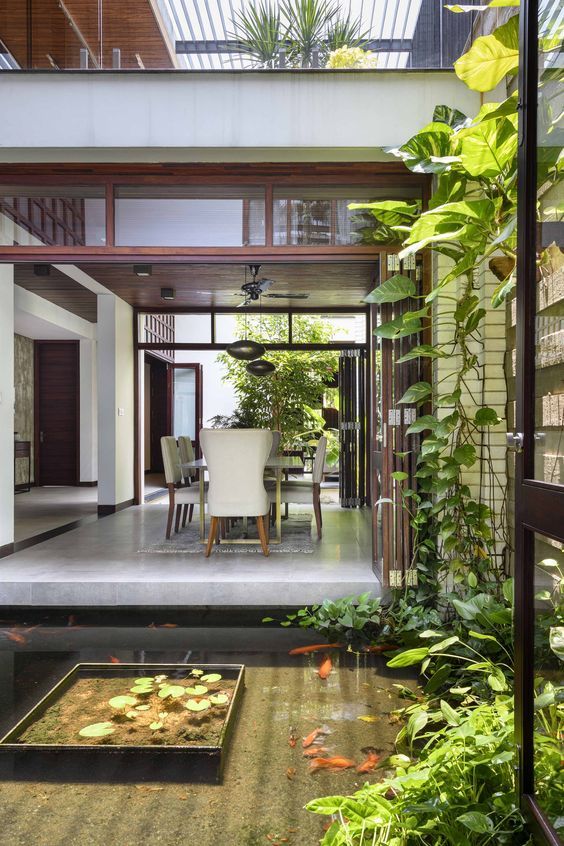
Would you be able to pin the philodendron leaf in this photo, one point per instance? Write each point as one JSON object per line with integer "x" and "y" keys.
{"x": 121, "y": 702}
{"x": 97, "y": 730}
{"x": 219, "y": 699}
{"x": 486, "y": 417}
{"x": 211, "y": 678}
{"x": 393, "y": 290}
{"x": 197, "y": 705}
{"x": 465, "y": 454}
{"x": 476, "y": 821}
{"x": 490, "y": 58}
{"x": 418, "y": 392}
{"x": 426, "y": 421}
{"x": 557, "y": 641}
{"x": 409, "y": 657}
{"x": 449, "y": 714}
{"x": 197, "y": 690}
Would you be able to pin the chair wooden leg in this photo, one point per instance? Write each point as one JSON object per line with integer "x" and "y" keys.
{"x": 267, "y": 527}
{"x": 211, "y": 536}
{"x": 184, "y": 514}
{"x": 190, "y": 512}
{"x": 262, "y": 535}
{"x": 317, "y": 510}
{"x": 177, "y": 520}
{"x": 169, "y": 519}
{"x": 218, "y": 531}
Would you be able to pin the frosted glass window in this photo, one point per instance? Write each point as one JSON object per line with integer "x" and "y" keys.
{"x": 184, "y": 402}
{"x": 192, "y": 328}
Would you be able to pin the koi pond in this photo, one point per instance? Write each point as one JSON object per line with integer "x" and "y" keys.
{"x": 300, "y": 726}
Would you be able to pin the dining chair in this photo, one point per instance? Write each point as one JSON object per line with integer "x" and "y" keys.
{"x": 302, "y": 491}
{"x": 186, "y": 451}
{"x": 235, "y": 459}
{"x": 178, "y": 495}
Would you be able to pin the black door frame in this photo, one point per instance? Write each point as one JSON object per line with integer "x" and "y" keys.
{"x": 538, "y": 506}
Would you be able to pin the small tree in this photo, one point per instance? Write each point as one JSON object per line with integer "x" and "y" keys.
{"x": 281, "y": 401}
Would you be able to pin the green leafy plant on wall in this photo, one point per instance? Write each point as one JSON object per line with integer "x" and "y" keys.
{"x": 285, "y": 400}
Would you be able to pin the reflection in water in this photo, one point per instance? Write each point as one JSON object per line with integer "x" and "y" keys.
{"x": 267, "y": 778}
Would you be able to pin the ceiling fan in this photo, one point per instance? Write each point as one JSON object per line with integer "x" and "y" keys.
{"x": 257, "y": 288}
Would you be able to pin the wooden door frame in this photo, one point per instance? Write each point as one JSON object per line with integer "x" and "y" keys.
{"x": 198, "y": 369}
{"x": 37, "y": 343}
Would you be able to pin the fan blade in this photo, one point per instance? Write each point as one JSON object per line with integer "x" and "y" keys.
{"x": 264, "y": 284}
{"x": 287, "y": 296}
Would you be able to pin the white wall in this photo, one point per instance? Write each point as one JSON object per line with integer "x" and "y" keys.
{"x": 115, "y": 400}
{"x": 220, "y": 115}
{"x": 6, "y": 404}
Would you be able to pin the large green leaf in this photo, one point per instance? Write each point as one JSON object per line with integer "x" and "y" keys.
{"x": 461, "y": 221}
{"x": 393, "y": 290}
{"x": 489, "y": 147}
{"x": 490, "y": 58}
{"x": 427, "y": 152}
{"x": 409, "y": 657}
{"x": 476, "y": 821}
{"x": 452, "y": 117}
{"x": 418, "y": 392}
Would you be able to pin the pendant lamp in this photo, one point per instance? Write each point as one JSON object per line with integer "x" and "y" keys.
{"x": 261, "y": 367}
{"x": 245, "y": 349}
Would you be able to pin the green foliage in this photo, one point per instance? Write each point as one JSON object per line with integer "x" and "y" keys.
{"x": 281, "y": 401}
{"x": 259, "y": 31}
{"x": 352, "y": 619}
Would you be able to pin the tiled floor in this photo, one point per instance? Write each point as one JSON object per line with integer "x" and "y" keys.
{"x": 99, "y": 565}
{"x": 43, "y": 509}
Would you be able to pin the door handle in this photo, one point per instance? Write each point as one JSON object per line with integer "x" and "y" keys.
{"x": 515, "y": 441}
{"x": 41, "y": 437}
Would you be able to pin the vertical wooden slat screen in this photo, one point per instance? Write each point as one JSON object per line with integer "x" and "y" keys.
{"x": 352, "y": 423}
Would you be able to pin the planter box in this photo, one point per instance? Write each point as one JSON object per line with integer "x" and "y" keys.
{"x": 85, "y": 760}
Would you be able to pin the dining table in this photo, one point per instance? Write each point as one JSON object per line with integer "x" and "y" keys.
{"x": 279, "y": 464}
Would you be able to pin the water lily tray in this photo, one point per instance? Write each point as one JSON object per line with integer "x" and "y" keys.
{"x": 129, "y": 722}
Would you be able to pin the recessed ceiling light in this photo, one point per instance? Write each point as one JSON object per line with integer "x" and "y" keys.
{"x": 142, "y": 269}
{"x": 167, "y": 293}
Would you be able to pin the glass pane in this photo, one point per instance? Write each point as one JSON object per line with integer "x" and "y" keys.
{"x": 184, "y": 402}
{"x": 268, "y": 328}
{"x": 549, "y": 675}
{"x": 348, "y": 328}
{"x": 192, "y": 328}
{"x": 73, "y": 215}
{"x": 321, "y": 216}
{"x": 189, "y": 216}
{"x": 549, "y": 337}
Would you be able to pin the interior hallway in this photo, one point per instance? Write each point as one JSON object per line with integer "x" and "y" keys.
{"x": 100, "y": 565}
{"x": 43, "y": 509}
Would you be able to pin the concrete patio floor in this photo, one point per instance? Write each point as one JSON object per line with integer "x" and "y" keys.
{"x": 99, "y": 565}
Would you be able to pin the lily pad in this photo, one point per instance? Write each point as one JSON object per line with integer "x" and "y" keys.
{"x": 145, "y": 680}
{"x": 121, "y": 702}
{"x": 219, "y": 699}
{"x": 141, "y": 689}
{"x": 172, "y": 690}
{"x": 196, "y": 672}
{"x": 197, "y": 705}
{"x": 97, "y": 730}
{"x": 142, "y": 707}
{"x": 131, "y": 715}
{"x": 211, "y": 678}
{"x": 197, "y": 690}
{"x": 156, "y": 726}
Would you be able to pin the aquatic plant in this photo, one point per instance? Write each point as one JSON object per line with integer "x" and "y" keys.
{"x": 352, "y": 619}
{"x": 147, "y": 695}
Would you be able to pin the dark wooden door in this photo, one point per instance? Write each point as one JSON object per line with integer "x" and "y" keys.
{"x": 57, "y": 412}
{"x": 160, "y": 409}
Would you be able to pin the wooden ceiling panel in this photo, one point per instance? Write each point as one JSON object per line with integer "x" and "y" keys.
{"x": 327, "y": 285}
{"x": 60, "y": 289}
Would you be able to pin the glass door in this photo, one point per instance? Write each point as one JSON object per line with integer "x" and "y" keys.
{"x": 187, "y": 402}
{"x": 539, "y": 419}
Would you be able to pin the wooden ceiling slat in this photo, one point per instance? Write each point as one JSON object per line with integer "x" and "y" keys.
{"x": 59, "y": 289}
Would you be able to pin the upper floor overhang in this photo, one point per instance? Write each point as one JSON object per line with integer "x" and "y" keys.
{"x": 219, "y": 115}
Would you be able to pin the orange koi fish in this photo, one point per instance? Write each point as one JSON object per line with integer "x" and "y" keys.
{"x": 307, "y": 741}
{"x": 114, "y": 660}
{"x": 381, "y": 647}
{"x": 293, "y": 739}
{"x": 332, "y": 764}
{"x": 16, "y": 637}
{"x": 315, "y": 647}
{"x": 314, "y": 751}
{"x": 325, "y": 667}
{"x": 372, "y": 758}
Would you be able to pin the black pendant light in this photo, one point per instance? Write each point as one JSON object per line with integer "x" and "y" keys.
{"x": 261, "y": 367}
{"x": 246, "y": 350}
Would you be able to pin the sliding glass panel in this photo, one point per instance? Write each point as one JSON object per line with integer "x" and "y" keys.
{"x": 549, "y": 341}
{"x": 72, "y": 216}
{"x": 320, "y": 216}
{"x": 549, "y": 677}
{"x": 329, "y": 328}
{"x": 184, "y": 402}
{"x": 189, "y": 216}
{"x": 267, "y": 328}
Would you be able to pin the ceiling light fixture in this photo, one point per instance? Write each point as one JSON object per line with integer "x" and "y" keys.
{"x": 244, "y": 349}
{"x": 167, "y": 293}
{"x": 261, "y": 367}
{"x": 142, "y": 269}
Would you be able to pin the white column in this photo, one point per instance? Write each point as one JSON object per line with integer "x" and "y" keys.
{"x": 6, "y": 405}
{"x": 115, "y": 402}
{"x": 88, "y": 412}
